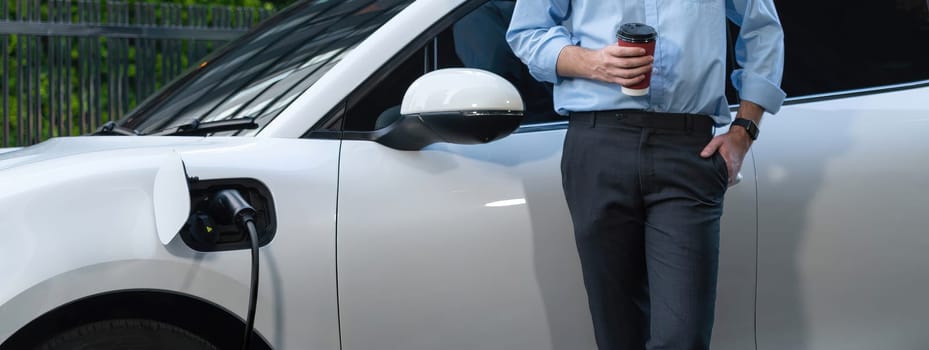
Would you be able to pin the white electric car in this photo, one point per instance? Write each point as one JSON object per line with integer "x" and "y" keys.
{"x": 402, "y": 203}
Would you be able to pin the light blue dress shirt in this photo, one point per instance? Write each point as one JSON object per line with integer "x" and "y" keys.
{"x": 690, "y": 53}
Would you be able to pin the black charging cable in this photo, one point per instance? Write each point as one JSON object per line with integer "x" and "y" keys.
{"x": 253, "y": 292}
{"x": 228, "y": 206}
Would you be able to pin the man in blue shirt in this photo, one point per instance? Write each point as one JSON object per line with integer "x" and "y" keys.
{"x": 644, "y": 176}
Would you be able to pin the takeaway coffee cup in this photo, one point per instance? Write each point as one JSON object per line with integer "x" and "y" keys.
{"x": 638, "y": 35}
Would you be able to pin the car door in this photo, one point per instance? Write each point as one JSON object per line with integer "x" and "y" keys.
{"x": 471, "y": 246}
{"x": 842, "y": 184}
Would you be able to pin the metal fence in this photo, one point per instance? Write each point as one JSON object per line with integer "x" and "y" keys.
{"x": 70, "y": 66}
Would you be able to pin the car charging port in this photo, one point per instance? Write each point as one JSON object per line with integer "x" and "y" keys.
{"x": 205, "y": 232}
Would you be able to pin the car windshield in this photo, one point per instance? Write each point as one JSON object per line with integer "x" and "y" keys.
{"x": 259, "y": 74}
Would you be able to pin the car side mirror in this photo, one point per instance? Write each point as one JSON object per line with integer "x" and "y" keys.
{"x": 455, "y": 105}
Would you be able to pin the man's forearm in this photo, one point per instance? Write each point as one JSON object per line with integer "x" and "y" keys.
{"x": 750, "y": 110}
{"x": 573, "y": 62}
{"x": 612, "y": 64}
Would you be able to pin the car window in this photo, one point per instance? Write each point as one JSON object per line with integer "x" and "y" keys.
{"x": 261, "y": 73}
{"x": 840, "y": 45}
{"x": 479, "y": 42}
{"x": 475, "y": 40}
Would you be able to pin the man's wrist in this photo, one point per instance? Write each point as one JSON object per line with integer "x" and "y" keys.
{"x": 740, "y": 132}
{"x": 747, "y": 126}
{"x": 751, "y": 111}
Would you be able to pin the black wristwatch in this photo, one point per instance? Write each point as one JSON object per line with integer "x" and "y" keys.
{"x": 749, "y": 126}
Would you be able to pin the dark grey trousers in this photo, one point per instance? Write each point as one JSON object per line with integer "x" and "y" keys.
{"x": 646, "y": 210}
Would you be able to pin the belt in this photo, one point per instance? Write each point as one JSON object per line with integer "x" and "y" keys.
{"x": 644, "y": 119}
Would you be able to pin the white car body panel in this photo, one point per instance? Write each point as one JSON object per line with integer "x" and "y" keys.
{"x": 484, "y": 260}
{"x": 51, "y": 208}
{"x": 843, "y": 224}
{"x": 81, "y": 213}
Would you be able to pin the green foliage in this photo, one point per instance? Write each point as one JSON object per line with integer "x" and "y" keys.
{"x": 268, "y": 5}
{"x": 42, "y": 107}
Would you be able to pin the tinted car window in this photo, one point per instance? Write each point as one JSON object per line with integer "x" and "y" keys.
{"x": 834, "y": 45}
{"x": 480, "y": 42}
{"x": 475, "y": 40}
{"x": 259, "y": 74}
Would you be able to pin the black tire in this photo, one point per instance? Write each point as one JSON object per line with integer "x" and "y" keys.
{"x": 127, "y": 334}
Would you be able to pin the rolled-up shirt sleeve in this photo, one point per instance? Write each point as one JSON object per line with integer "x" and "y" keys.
{"x": 537, "y": 36}
{"x": 759, "y": 51}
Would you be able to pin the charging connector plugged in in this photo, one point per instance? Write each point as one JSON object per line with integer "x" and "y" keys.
{"x": 228, "y": 206}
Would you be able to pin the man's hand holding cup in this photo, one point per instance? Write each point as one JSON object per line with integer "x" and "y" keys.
{"x": 636, "y": 39}
{"x": 626, "y": 66}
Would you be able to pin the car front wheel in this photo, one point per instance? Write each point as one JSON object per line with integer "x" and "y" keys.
{"x": 137, "y": 334}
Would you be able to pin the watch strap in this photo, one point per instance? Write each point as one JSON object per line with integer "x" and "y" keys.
{"x": 749, "y": 126}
